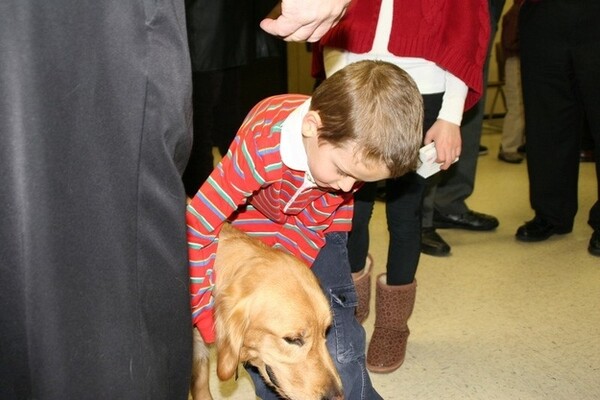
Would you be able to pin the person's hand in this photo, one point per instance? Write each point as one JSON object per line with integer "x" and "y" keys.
{"x": 448, "y": 142}
{"x": 302, "y": 20}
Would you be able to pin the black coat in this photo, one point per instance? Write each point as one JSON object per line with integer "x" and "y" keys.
{"x": 94, "y": 133}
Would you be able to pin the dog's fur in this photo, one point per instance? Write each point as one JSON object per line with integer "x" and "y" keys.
{"x": 271, "y": 313}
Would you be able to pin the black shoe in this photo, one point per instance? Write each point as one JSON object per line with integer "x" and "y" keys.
{"x": 483, "y": 150}
{"x": 433, "y": 244}
{"x": 537, "y": 230}
{"x": 470, "y": 220}
{"x": 594, "y": 247}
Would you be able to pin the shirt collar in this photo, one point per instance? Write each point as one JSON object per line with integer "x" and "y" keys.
{"x": 293, "y": 154}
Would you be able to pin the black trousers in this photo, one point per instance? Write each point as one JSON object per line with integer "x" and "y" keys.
{"x": 94, "y": 133}
{"x": 560, "y": 60}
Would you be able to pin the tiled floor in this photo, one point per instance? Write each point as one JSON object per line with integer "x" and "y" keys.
{"x": 498, "y": 319}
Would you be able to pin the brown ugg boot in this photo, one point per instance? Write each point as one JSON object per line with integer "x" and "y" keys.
{"x": 393, "y": 307}
{"x": 362, "y": 283}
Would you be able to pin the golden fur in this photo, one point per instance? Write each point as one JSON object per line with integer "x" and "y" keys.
{"x": 269, "y": 312}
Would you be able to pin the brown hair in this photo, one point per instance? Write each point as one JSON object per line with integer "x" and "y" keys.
{"x": 378, "y": 107}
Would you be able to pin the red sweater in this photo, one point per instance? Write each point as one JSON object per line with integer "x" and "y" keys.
{"x": 452, "y": 33}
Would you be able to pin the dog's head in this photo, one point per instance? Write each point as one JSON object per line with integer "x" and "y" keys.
{"x": 271, "y": 313}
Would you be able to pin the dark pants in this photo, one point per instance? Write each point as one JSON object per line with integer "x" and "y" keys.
{"x": 346, "y": 338}
{"x": 560, "y": 60}
{"x": 404, "y": 199}
{"x": 94, "y": 135}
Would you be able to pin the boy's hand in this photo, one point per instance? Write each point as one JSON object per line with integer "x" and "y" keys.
{"x": 448, "y": 142}
{"x": 305, "y": 19}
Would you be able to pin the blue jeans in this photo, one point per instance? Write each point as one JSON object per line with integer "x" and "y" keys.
{"x": 346, "y": 339}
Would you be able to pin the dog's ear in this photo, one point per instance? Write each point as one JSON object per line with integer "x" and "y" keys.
{"x": 230, "y": 339}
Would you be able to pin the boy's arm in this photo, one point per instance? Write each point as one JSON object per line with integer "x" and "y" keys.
{"x": 238, "y": 175}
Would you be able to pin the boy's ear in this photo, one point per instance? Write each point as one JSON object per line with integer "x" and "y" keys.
{"x": 311, "y": 124}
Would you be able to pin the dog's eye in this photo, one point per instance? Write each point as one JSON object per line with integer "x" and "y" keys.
{"x": 295, "y": 341}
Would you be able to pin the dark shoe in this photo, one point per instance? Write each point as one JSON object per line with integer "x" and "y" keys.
{"x": 470, "y": 220}
{"x": 511, "y": 158}
{"x": 537, "y": 230}
{"x": 432, "y": 244}
{"x": 594, "y": 247}
{"x": 483, "y": 150}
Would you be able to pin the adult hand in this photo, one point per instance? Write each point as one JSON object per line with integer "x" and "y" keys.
{"x": 302, "y": 20}
{"x": 448, "y": 141}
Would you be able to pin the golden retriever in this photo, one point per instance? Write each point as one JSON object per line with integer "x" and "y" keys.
{"x": 270, "y": 312}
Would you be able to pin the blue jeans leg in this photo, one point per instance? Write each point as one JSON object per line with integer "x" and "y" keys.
{"x": 346, "y": 339}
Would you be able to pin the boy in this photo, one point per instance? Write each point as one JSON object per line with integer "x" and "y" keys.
{"x": 288, "y": 179}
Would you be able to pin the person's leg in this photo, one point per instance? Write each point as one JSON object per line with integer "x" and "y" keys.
{"x": 346, "y": 337}
{"x": 358, "y": 238}
{"x": 513, "y": 126}
{"x": 431, "y": 242}
{"x": 586, "y": 62}
{"x": 554, "y": 118}
{"x": 457, "y": 183}
{"x": 431, "y": 108}
{"x": 396, "y": 290}
{"x": 403, "y": 213}
{"x": 361, "y": 263}
{"x": 404, "y": 202}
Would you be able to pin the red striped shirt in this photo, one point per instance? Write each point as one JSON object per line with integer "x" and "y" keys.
{"x": 252, "y": 187}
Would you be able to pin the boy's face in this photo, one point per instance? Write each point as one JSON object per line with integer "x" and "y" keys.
{"x": 336, "y": 168}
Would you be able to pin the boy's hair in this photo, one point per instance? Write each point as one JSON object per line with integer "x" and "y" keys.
{"x": 376, "y": 106}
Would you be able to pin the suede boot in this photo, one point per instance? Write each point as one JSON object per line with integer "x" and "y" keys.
{"x": 362, "y": 283}
{"x": 393, "y": 307}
